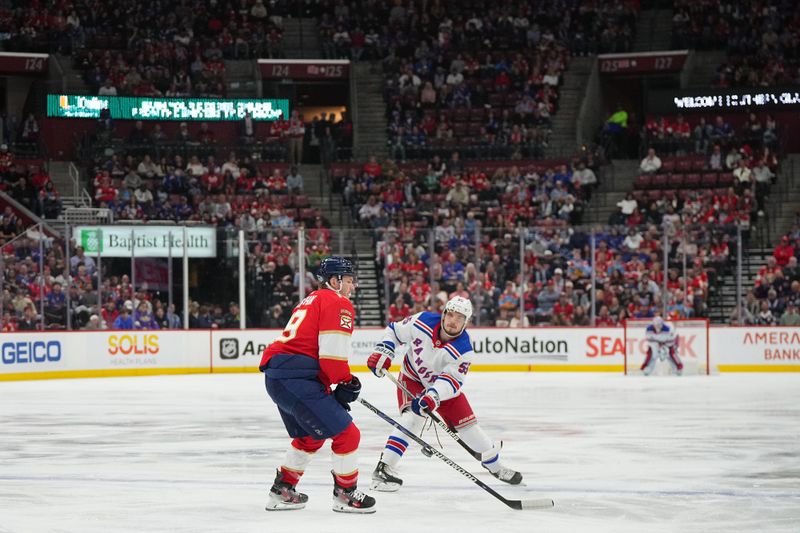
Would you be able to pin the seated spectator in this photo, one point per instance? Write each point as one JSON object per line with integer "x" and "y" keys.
{"x": 628, "y": 205}
{"x": 294, "y": 181}
{"x": 764, "y": 316}
{"x": 791, "y": 317}
{"x": 29, "y": 321}
{"x": 743, "y": 176}
{"x": 715, "y": 160}
{"x": 651, "y": 163}
{"x": 124, "y": 321}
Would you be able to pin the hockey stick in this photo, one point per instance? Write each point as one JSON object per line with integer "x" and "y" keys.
{"x": 430, "y": 451}
{"x": 440, "y": 422}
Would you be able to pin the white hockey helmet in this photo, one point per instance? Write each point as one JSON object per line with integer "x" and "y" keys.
{"x": 658, "y": 323}
{"x": 459, "y": 304}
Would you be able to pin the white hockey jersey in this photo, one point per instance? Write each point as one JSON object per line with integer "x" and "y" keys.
{"x": 426, "y": 358}
{"x": 661, "y": 340}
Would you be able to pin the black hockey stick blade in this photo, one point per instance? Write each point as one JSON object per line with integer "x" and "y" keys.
{"x": 519, "y": 505}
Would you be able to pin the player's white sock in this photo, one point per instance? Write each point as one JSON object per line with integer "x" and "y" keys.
{"x": 297, "y": 460}
{"x": 477, "y": 439}
{"x": 345, "y": 466}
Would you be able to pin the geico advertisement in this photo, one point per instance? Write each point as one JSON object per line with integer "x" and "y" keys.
{"x": 54, "y": 351}
{"x": 26, "y": 353}
{"x": 756, "y": 346}
{"x": 491, "y": 346}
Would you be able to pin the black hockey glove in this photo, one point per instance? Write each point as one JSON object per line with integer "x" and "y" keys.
{"x": 347, "y": 391}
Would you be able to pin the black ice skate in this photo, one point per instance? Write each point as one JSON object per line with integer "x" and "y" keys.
{"x": 351, "y": 500}
{"x": 283, "y": 497}
{"x": 384, "y": 478}
{"x": 512, "y": 477}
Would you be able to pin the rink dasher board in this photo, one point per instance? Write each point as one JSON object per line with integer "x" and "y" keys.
{"x": 79, "y": 354}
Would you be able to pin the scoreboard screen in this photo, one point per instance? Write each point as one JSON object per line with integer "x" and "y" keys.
{"x": 722, "y": 100}
{"x": 147, "y": 108}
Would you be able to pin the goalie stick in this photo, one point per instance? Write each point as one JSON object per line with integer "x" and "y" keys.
{"x": 440, "y": 422}
{"x": 427, "y": 449}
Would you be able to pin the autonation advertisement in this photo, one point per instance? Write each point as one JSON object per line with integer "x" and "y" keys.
{"x": 495, "y": 349}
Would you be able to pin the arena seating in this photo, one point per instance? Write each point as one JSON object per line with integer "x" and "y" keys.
{"x": 767, "y": 56}
{"x": 151, "y": 48}
{"x": 488, "y": 85}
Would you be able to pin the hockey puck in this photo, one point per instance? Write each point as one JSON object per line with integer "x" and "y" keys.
{"x": 427, "y": 452}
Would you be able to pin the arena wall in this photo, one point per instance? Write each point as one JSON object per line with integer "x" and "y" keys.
{"x": 48, "y": 355}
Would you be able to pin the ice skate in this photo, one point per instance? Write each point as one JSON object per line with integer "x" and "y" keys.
{"x": 507, "y": 475}
{"x": 284, "y": 497}
{"x": 351, "y": 500}
{"x": 384, "y": 478}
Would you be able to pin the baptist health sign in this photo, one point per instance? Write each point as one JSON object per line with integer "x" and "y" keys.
{"x": 146, "y": 241}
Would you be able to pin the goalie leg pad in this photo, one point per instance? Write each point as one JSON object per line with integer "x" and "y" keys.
{"x": 675, "y": 360}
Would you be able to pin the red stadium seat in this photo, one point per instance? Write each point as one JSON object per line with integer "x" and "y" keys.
{"x": 691, "y": 181}
{"x": 461, "y": 115}
{"x": 725, "y": 179}
{"x": 642, "y": 182}
{"x": 675, "y": 181}
{"x": 478, "y": 114}
{"x": 698, "y": 163}
{"x": 709, "y": 180}
{"x": 281, "y": 200}
{"x": 659, "y": 181}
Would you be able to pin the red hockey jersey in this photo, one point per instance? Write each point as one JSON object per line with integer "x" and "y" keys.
{"x": 321, "y": 327}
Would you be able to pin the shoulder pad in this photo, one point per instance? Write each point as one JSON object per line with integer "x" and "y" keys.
{"x": 462, "y": 343}
{"x": 430, "y": 319}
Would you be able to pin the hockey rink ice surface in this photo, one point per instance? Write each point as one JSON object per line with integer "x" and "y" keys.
{"x": 197, "y": 453}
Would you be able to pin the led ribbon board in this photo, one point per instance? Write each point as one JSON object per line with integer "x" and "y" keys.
{"x": 183, "y": 109}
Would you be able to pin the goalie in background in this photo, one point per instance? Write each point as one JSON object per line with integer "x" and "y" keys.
{"x": 661, "y": 344}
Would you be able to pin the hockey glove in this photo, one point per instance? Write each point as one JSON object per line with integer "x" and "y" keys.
{"x": 347, "y": 391}
{"x": 380, "y": 360}
{"x": 425, "y": 403}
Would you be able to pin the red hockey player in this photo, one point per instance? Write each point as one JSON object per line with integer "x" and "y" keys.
{"x": 301, "y": 365}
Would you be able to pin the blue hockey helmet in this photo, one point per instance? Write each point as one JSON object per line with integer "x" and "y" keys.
{"x": 334, "y": 266}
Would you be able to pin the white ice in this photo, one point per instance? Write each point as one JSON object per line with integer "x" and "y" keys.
{"x": 198, "y": 453}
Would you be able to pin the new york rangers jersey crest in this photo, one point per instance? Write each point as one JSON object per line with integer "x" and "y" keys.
{"x": 426, "y": 358}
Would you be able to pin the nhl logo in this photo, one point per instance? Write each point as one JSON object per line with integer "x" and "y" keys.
{"x": 228, "y": 348}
